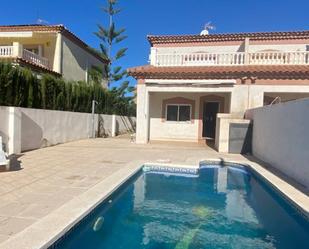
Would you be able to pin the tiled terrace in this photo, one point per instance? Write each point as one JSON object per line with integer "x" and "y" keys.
{"x": 52, "y": 177}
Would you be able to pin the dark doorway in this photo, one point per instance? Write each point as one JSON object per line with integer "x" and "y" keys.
{"x": 210, "y": 110}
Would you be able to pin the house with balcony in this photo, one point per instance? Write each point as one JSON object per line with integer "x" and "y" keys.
{"x": 49, "y": 49}
{"x": 195, "y": 85}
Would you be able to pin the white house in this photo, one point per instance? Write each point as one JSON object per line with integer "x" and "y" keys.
{"x": 48, "y": 48}
{"x": 196, "y": 85}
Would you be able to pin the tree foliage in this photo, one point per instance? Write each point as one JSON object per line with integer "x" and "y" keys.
{"x": 20, "y": 87}
{"x": 110, "y": 36}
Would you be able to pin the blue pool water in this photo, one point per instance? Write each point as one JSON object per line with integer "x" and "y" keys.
{"x": 220, "y": 207}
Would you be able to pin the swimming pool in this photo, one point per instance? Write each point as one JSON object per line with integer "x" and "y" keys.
{"x": 179, "y": 208}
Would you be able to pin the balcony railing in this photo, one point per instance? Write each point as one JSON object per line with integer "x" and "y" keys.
{"x": 34, "y": 58}
{"x": 231, "y": 59}
{"x": 8, "y": 52}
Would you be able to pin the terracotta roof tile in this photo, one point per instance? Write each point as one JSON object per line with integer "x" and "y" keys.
{"x": 221, "y": 72}
{"x": 165, "y": 39}
{"x": 36, "y": 66}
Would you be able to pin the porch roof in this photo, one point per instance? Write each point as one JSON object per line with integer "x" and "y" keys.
{"x": 221, "y": 72}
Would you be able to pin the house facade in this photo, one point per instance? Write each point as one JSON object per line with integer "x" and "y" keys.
{"x": 49, "y": 49}
{"x": 195, "y": 85}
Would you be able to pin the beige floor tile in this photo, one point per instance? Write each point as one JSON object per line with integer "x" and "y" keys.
{"x": 10, "y": 226}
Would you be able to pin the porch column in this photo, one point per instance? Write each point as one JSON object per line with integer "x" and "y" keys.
{"x": 14, "y": 143}
{"x": 239, "y": 99}
{"x": 40, "y": 50}
{"x": 256, "y": 97}
{"x": 57, "y": 67}
{"x": 17, "y": 50}
{"x": 142, "y": 115}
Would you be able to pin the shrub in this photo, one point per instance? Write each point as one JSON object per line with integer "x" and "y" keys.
{"x": 22, "y": 88}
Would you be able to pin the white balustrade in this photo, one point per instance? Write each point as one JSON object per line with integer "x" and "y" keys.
{"x": 34, "y": 58}
{"x": 6, "y": 51}
{"x": 237, "y": 58}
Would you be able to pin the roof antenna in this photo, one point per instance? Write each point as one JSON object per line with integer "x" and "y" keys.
{"x": 208, "y": 26}
{"x": 41, "y": 21}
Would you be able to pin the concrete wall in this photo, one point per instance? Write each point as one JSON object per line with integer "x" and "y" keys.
{"x": 76, "y": 61}
{"x": 25, "y": 129}
{"x": 41, "y": 128}
{"x": 4, "y": 125}
{"x": 223, "y": 129}
{"x": 125, "y": 124}
{"x": 281, "y": 137}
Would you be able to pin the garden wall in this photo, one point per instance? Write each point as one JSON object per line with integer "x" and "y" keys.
{"x": 4, "y": 124}
{"x": 281, "y": 137}
{"x": 35, "y": 128}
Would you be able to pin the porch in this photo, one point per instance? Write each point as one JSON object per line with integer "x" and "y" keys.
{"x": 195, "y": 112}
{"x": 189, "y": 117}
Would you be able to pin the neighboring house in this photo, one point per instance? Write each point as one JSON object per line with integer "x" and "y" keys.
{"x": 192, "y": 78}
{"x": 49, "y": 48}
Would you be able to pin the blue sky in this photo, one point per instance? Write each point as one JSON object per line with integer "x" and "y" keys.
{"x": 142, "y": 17}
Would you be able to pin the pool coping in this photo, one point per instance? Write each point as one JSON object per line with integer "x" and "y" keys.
{"x": 45, "y": 232}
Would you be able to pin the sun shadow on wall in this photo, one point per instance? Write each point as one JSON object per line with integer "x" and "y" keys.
{"x": 31, "y": 135}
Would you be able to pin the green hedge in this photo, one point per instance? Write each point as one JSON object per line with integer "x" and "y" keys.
{"x": 20, "y": 87}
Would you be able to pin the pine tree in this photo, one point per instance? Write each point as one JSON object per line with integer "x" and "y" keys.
{"x": 109, "y": 37}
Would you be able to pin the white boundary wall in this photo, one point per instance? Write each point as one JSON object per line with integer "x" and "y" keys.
{"x": 4, "y": 124}
{"x": 281, "y": 138}
{"x": 25, "y": 129}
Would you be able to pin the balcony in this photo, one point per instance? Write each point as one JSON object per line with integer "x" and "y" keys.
{"x": 230, "y": 59}
{"x": 16, "y": 51}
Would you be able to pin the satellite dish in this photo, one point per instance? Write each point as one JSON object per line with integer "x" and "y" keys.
{"x": 208, "y": 26}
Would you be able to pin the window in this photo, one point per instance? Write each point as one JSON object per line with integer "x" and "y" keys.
{"x": 178, "y": 113}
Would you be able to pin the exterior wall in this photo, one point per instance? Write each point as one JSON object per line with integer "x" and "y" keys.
{"x": 76, "y": 61}
{"x": 41, "y": 128}
{"x": 284, "y": 97}
{"x": 281, "y": 138}
{"x": 227, "y": 48}
{"x": 239, "y": 99}
{"x": 162, "y": 130}
{"x": 25, "y": 129}
{"x": 200, "y": 49}
{"x": 63, "y": 55}
{"x": 48, "y": 42}
{"x": 142, "y": 114}
{"x": 125, "y": 124}
{"x": 184, "y": 131}
{"x": 10, "y": 129}
{"x": 223, "y": 130}
{"x": 4, "y": 126}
